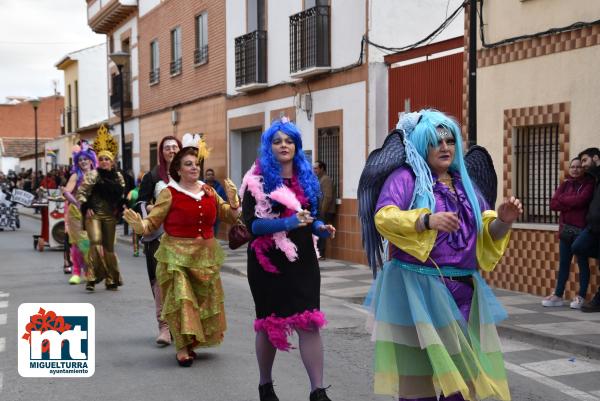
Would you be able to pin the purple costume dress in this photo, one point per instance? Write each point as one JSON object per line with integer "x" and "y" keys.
{"x": 434, "y": 329}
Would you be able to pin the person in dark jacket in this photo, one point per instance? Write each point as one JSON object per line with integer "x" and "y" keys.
{"x": 571, "y": 199}
{"x": 588, "y": 242}
{"x": 210, "y": 179}
{"x": 152, "y": 183}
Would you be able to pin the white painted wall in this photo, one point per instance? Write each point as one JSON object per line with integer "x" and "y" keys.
{"x": 378, "y": 104}
{"x": 133, "y": 59}
{"x": 401, "y": 23}
{"x": 349, "y": 98}
{"x": 348, "y": 24}
{"x": 145, "y": 6}
{"x": 93, "y": 9}
{"x": 235, "y": 25}
{"x": 9, "y": 163}
{"x": 92, "y": 85}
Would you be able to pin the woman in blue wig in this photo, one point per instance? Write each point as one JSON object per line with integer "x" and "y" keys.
{"x": 279, "y": 207}
{"x": 432, "y": 316}
{"x": 84, "y": 160}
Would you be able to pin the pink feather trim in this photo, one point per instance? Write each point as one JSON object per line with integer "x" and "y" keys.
{"x": 279, "y": 328}
{"x": 261, "y": 246}
{"x": 286, "y": 197}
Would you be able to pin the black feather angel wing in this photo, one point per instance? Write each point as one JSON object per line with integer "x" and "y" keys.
{"x": 380, "y": 163}
{"x": 481, "y": 170}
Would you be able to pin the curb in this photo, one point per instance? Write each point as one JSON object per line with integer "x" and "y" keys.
{"x": 548, "y": 341}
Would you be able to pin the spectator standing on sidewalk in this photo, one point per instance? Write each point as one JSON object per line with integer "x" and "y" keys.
{"x": 588, "y": 243}
{"x": 210, "y": 179}
{"x": 327, "y": 201}
{"x": 571, "y": 199}
{"x": 152, "y": 183}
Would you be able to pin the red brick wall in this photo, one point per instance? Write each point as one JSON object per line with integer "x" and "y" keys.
{"x": 17, "y": 121}
{"x": 194, "y": 81}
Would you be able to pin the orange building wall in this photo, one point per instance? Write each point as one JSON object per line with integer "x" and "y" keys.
{"x": 206, "y": 117}
{"x": 17, "y": 121}
{"x": 194, "y": 82}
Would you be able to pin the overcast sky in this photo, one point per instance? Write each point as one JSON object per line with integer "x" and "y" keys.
{"x": 34, "y": 36}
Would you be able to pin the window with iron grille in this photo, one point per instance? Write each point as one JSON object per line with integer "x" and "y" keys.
{"x": 153, "y": 155}
{"x": 201, "y": 51}
{"x": 537, "y": 171}
{"x": 328, "y": 150}
{"x": 154, "y": 62}
{"x": 176, "y": 51}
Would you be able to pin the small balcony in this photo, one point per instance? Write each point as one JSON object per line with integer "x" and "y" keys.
{"x": 154, "y": 76}
{"x": 115, "y": 96}
{"x": 106, "y": 15}
{"x": 310, "y": 42}
{"x": 251, "y": 61}
{"x": 175, "y": 67}
{"x": 201, "y": 55}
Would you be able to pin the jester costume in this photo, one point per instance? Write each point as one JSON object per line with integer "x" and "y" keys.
{"x": 431, "y": 315}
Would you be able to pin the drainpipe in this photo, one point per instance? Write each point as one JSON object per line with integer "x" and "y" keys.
{"x": 472, "y": 128}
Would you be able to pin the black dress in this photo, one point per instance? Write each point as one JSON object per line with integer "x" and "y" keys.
{"x": 297, "y": 286}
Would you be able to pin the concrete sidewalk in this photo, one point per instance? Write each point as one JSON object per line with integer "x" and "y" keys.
{"x": 559, "y": 328}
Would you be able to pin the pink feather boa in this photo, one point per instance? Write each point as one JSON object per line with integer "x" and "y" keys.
{"x": 292, "y": 198}
{"x": 278, "y": 329}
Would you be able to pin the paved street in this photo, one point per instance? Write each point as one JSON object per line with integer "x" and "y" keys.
{"x": 130, "y": 367}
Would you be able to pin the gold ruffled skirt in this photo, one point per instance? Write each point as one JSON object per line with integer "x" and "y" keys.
{"x": 191, "y": 290}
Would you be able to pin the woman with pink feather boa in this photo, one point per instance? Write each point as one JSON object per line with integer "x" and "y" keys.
{"x": 279, "y": 207}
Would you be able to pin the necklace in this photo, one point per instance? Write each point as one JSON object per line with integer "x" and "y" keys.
{"x": 447, "y": 181}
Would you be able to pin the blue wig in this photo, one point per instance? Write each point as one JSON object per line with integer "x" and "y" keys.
{"x": 82, "y": 150}
{"x": 271, "y": 168}
{"x": 424, "y": 135}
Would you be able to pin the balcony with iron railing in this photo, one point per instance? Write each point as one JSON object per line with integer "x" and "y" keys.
{"x": 175, "y": 67}
{"x": 154, "y": 76}
{"x": 310, "y": 42}
{"x": 201, "y": 55}
{"x": 115, "y": 95}
{"x": 251, "y": 61}
{"x": 106, "y": 15}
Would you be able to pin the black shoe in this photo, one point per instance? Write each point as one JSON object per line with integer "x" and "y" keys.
{"x": 90, "y": 286}
{"x": 267, "y": 392}
{"x": 593, "y": 305}
{"x": 112, "y": 287}
{"x": 319, "y": 395}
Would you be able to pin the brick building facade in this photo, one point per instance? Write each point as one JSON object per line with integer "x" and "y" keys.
{"x": 17, "y": 120}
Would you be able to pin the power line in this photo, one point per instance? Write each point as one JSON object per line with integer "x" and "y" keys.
{"x": 426, "y": 39}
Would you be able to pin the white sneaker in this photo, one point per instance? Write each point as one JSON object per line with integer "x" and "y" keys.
{"x": 577, "y": 302}
{"x": 552, "y": 300}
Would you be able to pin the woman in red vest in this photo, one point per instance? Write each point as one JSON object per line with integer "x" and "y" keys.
{"x": 189, "y": 257}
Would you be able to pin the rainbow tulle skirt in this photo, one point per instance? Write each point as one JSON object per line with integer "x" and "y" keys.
{"x": 424, "y": 346}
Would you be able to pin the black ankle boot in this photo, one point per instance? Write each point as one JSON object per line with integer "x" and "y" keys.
{"x": 319, "y": 394}
{"x": 267, "y": 392}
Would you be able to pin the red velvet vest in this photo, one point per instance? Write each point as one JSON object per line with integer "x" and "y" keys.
{"x": 191, "y": 218}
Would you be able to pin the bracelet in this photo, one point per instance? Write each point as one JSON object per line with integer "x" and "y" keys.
{"x": 426, "y": 221}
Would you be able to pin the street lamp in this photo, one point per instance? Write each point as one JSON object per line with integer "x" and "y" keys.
{"x": 121, "y": 59}
{"x": 35, "y": 103}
